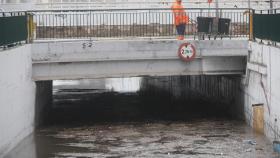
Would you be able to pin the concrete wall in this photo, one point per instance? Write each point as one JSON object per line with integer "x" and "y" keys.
{"x": 221, "y": 88}
{"x": 262, "y": 85}
{"x": 23, "y": 104}
{"x": 68, "y": 60}
{"x": 17, "y": 96}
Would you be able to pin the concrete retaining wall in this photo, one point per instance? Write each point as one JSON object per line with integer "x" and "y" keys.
{"x": 262, "y": 86}
{"x": 17, "y": 96}
{"x": 23, "y": 103}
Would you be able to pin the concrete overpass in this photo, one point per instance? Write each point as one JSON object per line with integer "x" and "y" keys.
{"x": 80, "y": 59}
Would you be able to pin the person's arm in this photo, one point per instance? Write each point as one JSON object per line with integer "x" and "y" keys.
{"x": 186, "y": 17}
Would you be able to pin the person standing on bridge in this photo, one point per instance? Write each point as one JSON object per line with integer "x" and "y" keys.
{"x": 180, "y": 18}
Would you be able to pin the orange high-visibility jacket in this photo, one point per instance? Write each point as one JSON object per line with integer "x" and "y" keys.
{"x": 180, "y": 16}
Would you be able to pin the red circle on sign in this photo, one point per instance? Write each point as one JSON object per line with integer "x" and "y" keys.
{"x": 186, "y": 51}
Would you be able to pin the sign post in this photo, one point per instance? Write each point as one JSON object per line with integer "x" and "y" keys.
{"x": 209, "y": 2}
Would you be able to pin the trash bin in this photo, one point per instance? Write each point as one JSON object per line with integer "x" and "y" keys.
{"x": 213, "y": 26}
{"x": 223, "y": 27}
{"x": 204, "y": 24}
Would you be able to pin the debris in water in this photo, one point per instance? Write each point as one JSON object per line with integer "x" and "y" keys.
{"x": 259, "y": 148}
{"x": 215, "y": 135}
{"x": 201, "y": 142}
{"x": 252, "y": 142}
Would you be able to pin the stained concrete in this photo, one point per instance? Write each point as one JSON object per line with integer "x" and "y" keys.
{"x": 43, "y": 101}
{"x": 222, "y": 90}
{"x": 261, "y": 86}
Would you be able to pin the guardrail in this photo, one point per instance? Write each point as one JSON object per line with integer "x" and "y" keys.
{"x": 13, "y": 28}
{"x": 266, "y": 24}
{"x": 118, "y": 23}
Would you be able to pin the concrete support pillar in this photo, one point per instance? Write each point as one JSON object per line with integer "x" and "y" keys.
{"x": 43, "y": 101}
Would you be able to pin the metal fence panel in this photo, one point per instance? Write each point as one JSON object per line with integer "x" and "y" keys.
{"x": 266, "y": 26}
{"x": 13, "y": 29}
{"x": 118, "y": 23}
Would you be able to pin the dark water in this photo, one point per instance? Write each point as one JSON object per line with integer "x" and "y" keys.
{"x": 87, "y": 122}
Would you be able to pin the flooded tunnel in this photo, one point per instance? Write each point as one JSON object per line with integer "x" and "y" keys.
{"x": 174, "y": 98}
{"x": 171, "y": 116}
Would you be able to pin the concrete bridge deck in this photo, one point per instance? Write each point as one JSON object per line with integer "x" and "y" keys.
{"x": 78, "y": 59}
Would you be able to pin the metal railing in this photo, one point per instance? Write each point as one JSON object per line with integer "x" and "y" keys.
{"x": 268, "y": 11}
{"x": 119, "y": 23}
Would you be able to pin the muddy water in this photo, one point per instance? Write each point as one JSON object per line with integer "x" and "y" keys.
{"x": 203, "y": 138}
{"x": 200, "y": 138}
{"x": 92, "y": 122}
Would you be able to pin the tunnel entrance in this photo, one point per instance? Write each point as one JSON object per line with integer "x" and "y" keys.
{"x": 177, "y": 116}
{"x": 173, "y": 98}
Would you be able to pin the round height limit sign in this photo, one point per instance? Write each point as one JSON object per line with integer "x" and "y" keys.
{"x": 186, "y": 52}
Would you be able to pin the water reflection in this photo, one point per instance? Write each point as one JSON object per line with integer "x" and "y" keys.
{"x": 123, "y": 84}
{"x": 111, "y": 84}
{"x": 80, "y": 84}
